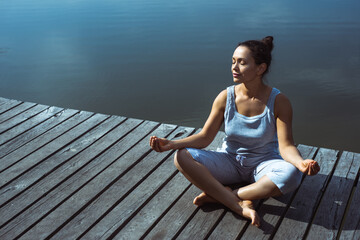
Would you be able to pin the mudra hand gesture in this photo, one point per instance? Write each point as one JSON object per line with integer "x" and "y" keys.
{"x": 309, "y": 167}
{"x": 160, "y": 144}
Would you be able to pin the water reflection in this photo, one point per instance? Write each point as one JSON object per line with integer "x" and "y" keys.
{"x": 167, "y": 60}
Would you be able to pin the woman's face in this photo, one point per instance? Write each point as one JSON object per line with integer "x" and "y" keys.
{"x": 244, "y": 68}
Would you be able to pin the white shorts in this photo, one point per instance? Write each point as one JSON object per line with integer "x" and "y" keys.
{"x": 228, "y": 169}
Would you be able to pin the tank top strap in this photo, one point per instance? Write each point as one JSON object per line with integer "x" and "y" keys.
{"x": 230, "y": 100}
{"x": 231, "y": 94}
{"x": 271, "y": 101}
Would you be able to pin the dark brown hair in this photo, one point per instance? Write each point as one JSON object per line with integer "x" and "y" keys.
{"x": 260, "y": 50}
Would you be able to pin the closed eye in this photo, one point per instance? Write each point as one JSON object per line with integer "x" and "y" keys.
{"x": 240, "y": 60}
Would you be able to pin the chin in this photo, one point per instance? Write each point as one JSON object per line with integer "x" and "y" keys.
{"x": 236, "y": 80}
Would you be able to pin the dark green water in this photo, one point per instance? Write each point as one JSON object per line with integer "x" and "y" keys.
{"x": 167, "y": 60}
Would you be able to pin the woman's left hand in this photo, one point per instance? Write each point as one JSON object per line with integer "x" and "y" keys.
{"x": 309, "y": 167}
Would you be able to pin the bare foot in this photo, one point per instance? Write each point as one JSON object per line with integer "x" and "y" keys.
{"x": 247, "y": 207}
{"x": 203, "y": 198}
{"x": 247, "y": 204}
{"x": 249, "y": 212}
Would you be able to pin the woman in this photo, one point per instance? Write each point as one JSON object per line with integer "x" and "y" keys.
{"x": 258, "y": 147}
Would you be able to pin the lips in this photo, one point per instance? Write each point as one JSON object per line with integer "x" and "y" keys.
{"x": 236, "y": 75}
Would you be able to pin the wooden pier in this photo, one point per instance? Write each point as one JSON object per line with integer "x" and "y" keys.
{"x": 70, "y": 174}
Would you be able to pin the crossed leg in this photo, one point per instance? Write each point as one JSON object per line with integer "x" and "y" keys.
{"x": 238, "y": 200}
{"x": 200, "y": 176}
{"x": 263, "y": 188}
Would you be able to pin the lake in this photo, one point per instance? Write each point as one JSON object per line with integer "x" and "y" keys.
{"x": 166, "y": 61}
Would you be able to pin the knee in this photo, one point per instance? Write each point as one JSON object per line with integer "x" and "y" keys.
{"x": 292, "y": 181}
{"x": 181, "y": 158}
{"x": 296, "y": 177}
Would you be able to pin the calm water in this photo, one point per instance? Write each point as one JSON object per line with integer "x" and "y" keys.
{"x": 167, "y": 60}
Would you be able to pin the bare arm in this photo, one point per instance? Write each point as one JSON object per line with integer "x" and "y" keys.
{"x": 283, "y": 115}
{"x": 201, "y": 139}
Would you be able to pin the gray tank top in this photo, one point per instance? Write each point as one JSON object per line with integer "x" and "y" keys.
{"x": 252, "y": 139}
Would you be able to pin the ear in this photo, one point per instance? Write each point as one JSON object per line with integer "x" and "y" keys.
{"x": 261, "y": 68}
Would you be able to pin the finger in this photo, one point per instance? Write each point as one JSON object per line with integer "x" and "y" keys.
{"x": 154, "y": 145}
{"x": 309, "y": 170}
{"x": 317, "y": 165}
{"x": 152, "y": 139}
{"x": 152, "y": 142}
{"x": 157, "y": 145}
{"x": 316, "y": 168}
{"x": 314, "y": 171}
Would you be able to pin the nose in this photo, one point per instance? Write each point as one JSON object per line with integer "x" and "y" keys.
{"x": 234, "y": 66}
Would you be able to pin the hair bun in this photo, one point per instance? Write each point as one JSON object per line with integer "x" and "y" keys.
{"x": 268, "y": 42}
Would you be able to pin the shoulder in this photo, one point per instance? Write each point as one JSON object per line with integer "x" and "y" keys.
{"x": 222, "y": 95}
{"x": 220, "y": 100}
{"x": 282, "y": 106}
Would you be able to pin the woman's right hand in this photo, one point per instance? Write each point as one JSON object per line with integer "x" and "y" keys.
{"x": 160, "y": 144}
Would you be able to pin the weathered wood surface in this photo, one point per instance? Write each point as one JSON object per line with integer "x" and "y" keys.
{"x": 69, "y": 174}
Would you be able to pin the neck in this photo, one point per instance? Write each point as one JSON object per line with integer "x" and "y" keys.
{"x": 253, "y": 88}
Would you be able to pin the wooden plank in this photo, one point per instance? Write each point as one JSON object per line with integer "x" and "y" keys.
{"x": 302, "y": 208}
{"x": 56, "y": 193}
{"x": 137, "y": 227}
{"x": 174, "y": 220}
{"x": 35, "y": 132}
{"x": 202, "y": 222}
{"x": 332, "y": 207}
{"x": 9, "y": 104}
{"x": 123, "y": 211}
{"x": 107, "y": 184}
{"x": 121, "y": 191}
{"x": 229, "y": 221}
{"x": 118, "y": 190}
{"x": 122, "y": 163}
{"x": 22, "y": 117}
{"x": 15, "y": 111}
{"x": 272, "y": 209}
{"x": 45, "y": 167}
{"x": 30, "y": 173}
{"x": 70, "y": 177}
{"x": 351, "y": 227}
{"x": 46, "y": 138}
{"x": 27, "y": 125}
{"x": 3, "y": 100}
{"x": 158, "y": 206}
{"x": 15, "y": 171}
{"x": 231, "y": 218}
